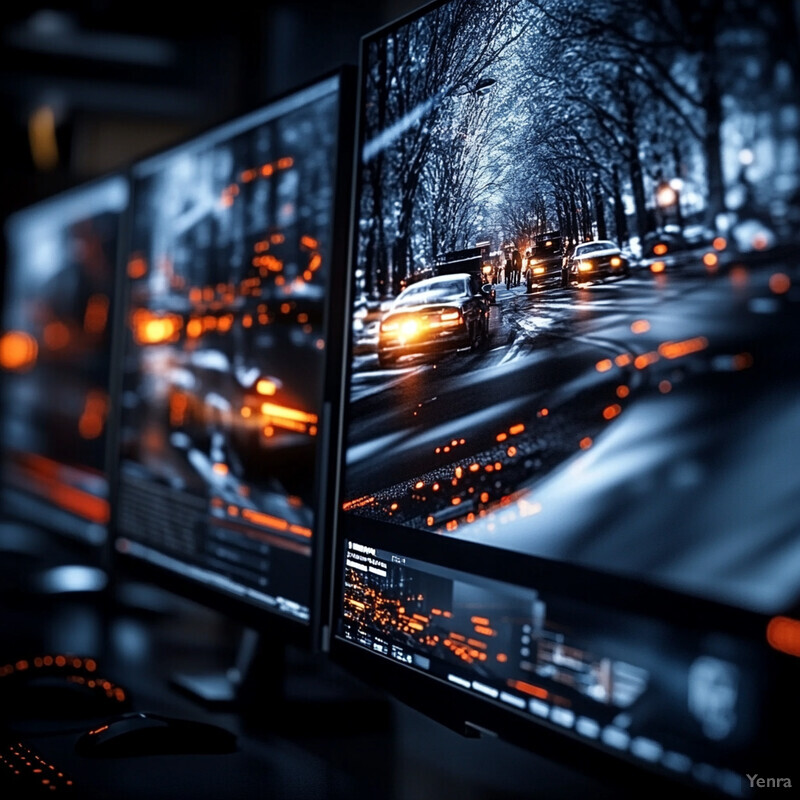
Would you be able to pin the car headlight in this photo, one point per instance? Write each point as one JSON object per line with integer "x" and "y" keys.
{"x": 616, "y": 261}
{"x": 409, "y": 327}
{"x": 387, "y": 327}
{"x": 538, "y": 270}
{"x": 585, "y": 266}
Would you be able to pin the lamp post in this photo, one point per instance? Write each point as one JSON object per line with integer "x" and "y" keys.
{"x": 668, "y": 200}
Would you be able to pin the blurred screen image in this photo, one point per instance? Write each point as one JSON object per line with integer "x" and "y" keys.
{"x": 225, "y": 328}
{"x": 54, "y": 355}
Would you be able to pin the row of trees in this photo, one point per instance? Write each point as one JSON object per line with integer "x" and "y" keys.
{"x": 501, "y": 119}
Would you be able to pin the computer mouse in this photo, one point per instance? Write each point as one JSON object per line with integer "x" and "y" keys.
{"x": 145, "y": 734}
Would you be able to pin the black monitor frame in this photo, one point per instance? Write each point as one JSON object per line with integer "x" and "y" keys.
{"x": 68, "y": 525}
{"x": 281, "y": 630}
{"x": 470, "y": 715}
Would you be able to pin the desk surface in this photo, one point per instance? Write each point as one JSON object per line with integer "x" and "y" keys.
{"x": 385, "y": 751}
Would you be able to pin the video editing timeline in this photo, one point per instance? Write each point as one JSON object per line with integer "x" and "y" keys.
{"x": 619, "y": 681}
{"x": 228, "y": 271}
{"x": 54, "y": 357}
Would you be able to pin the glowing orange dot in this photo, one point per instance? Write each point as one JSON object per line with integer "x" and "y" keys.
{"x": 658, "y": 266}
{"x": 660, "y": 249}
{"x": 137, "y": 268}
{"x": 512, "y": 451}
{"x": 604, "y": 365}
{"x": 266, "y": 387}
{"x": 779, "y": 283}
{"x": 585, "y": 443}
{"x": 710, "y": 259}
{"x": 501, "y": 437}
{"x": 783, "y": 634}
{"x": 720, "y": 243}
{"x": 640, "y": 326}
{"x": 18, "y": 350}
{"x": 738, "y": 276}
{"x": 623, "y": 391}
{"x": 609, "y": 412}
{"x": 664, "y": 387}
{"x": 484, "y": 498}
{"x": 56, "y": 335}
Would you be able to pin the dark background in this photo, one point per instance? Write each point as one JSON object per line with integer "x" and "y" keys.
{"x": 125, "y": 79}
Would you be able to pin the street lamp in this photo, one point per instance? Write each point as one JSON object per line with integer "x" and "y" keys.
{"x": 666, "y": 196}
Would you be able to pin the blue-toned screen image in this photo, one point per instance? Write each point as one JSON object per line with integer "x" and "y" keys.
{"x": 617, "y": 187}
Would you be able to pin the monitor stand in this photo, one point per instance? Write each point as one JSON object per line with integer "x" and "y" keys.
{"x": 223, "y": 689}
{"x": 272, "y": 685}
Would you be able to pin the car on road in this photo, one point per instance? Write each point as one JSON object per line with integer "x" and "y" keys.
{"x": 596, "y": 260}
{"x": 444, "y": 313}
{"x": 543, "y": 262}
{"x": 673, "y": 244}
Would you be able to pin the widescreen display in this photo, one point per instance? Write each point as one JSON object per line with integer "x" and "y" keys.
{"x": 574, "y": 361}
{"x": 228, "y": 271}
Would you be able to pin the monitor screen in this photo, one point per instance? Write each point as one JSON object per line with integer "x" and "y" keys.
{"x": 231, "y": 263}
{"x": 54, "y": 358}
{"x": 568, "y": 501}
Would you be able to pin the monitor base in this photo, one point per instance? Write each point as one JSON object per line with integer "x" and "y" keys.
{"x": 274, "y": 689}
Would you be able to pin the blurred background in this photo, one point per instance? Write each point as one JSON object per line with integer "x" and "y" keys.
{"x": 87, "y": 87}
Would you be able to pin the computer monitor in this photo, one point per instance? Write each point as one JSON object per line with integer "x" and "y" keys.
{"x": 54, "y": 362}
{"x": 228, "y": 355}
{"x": 569, "y": 476}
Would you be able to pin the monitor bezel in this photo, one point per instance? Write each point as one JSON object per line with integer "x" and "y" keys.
{"x": 281, "y": 629}
{"x": 464, "y": 712}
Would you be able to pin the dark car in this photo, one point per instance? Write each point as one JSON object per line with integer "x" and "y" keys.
{"x": 596, "y": 260}
{"x": 543, "y": 262}
{"x": 448, "y": 312}
{"x": 675, "y": 247}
